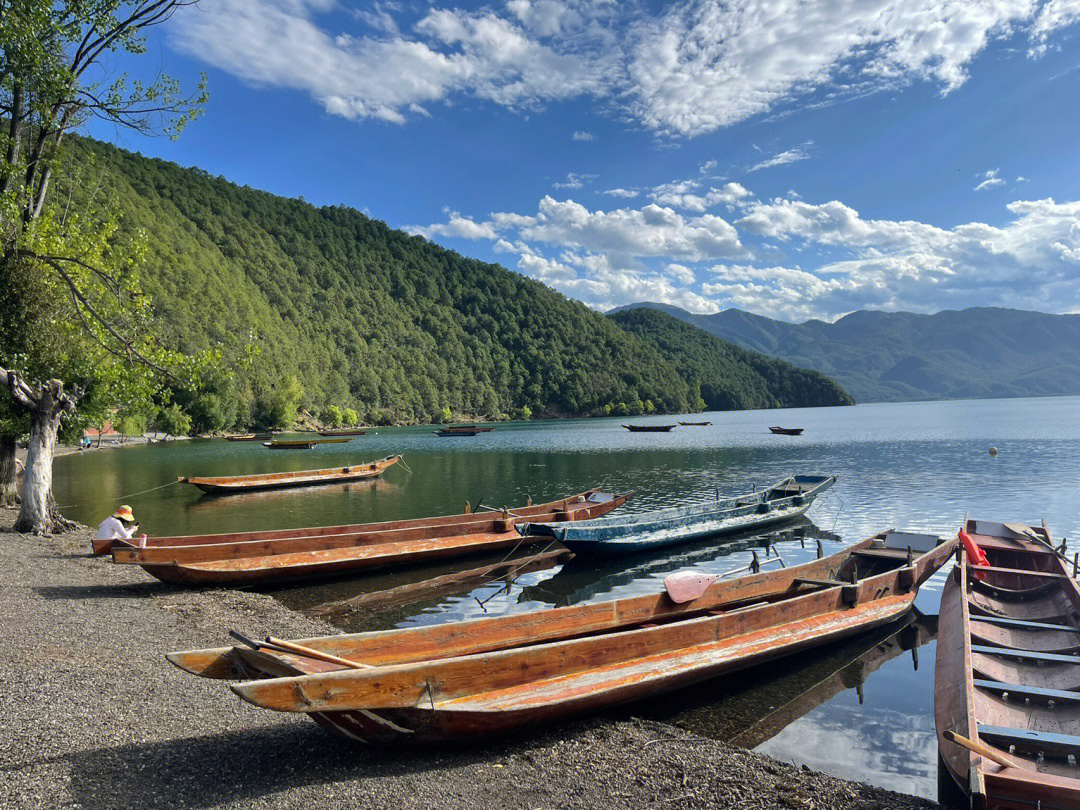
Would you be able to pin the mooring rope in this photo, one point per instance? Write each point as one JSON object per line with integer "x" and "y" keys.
{"x": 124, "y": 497}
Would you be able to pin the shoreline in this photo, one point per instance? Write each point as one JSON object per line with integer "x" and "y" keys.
{"x": 96, "y": 717}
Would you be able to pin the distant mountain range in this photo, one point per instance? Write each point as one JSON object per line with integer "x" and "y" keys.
{"x": 888, "y": 356}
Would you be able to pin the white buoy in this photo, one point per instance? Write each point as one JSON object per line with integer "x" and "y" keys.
{"x": 993, "y": 451}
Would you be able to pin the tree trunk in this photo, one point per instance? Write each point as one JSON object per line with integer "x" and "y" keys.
{"x": 38, "y": 513}
{"x": 9, "y": 491}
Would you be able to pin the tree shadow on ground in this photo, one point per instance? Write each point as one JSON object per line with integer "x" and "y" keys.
{"x": 135, "y": 590}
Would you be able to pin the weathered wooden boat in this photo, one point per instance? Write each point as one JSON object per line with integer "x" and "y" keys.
{"x": 301, "y": 444}
{"x": 1008, "y": 675}
{"x": 250, "y": 437}
{"x": 785, "y": 500}
{"x": 695, "y": 424}
{"x": 445, "y": 432}
{"x": 224, "y": 484}
{"x": 351, "y": 432}
{"x": 476, "y": 428}
{"x": 476, "y": 678}
{"x": 298, "y": 557}
{"x": 649, "y": 428}
{"x": 783, "y": 431}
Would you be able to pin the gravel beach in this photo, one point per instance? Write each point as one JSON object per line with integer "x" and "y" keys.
{"x": 94, "y": 717}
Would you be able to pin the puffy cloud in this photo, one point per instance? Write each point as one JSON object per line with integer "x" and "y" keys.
{"x": 575, "y": 180}
{"x": 457, "y": 226}
{"x": 688, "y": 69}
{"x": 681, "y": 195}
{"x": 583, "y": 136}
{"x": 627, "y": 193}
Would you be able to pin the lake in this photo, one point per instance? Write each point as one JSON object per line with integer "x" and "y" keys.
{"x": 862, "y": 709}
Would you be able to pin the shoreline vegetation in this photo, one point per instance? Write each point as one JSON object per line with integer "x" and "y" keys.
{"x": 95, "y": 717}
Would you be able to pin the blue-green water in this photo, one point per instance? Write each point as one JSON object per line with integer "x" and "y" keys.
{"x": 910, "y": 465}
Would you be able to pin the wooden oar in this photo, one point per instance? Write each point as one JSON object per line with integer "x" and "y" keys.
{"x": 288, "y": 646}
{"x": 980, "y": 749}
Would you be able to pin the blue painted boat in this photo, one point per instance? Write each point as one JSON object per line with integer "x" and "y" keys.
{"x": 783, "y": 501}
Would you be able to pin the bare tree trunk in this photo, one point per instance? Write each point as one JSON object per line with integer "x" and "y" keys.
{"x": 9, "y": 491}
{"x": 38, "y": 513}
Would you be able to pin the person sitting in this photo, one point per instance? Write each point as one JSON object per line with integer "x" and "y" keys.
{"x": 120, "y": 525}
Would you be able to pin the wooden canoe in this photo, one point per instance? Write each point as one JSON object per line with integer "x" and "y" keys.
{"x": 249, "y": 437}
{"x": 783, "y": 431}
{"x": 301, "y": 444}
{"x": 649, "y": 428}
{"x": 475, "y": 428}
{"x": 695, "y": 424}
{"x": 470, "y": 679}
{"x": 302, "y": 478}
{"x": 786, "y": 500}
{"x": 478, "y": 516}
{"x": 333, "y": 555}
{"x": 1008, "y": 673}
{"x": 445, "y": 432}
{"x": 351, "y": 432}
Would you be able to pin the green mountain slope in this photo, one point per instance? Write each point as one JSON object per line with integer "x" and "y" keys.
{"x": 346, "y": 312}
{"x": 880, "y": 356}
{"x": 729, "y": 377}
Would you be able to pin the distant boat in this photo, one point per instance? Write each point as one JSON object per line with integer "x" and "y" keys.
{"x": 785, "y": 500}
{"x": 445, "y": 432}
{"x": 353, "y": 432}
{"x": 695, "y": 424}
{"x": 467, "y": 428}
{"x": 303, "y": 478}
{"x": 249, "y": 437}
{"x": 783, "y": 431}
{"x": 301, "y": 444}
{"x": 649, "y": 428}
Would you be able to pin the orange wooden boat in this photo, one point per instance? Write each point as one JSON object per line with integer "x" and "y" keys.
{"x": 302, "y": 478}
{"x": 249, "y": 437}
{"x": 1008, "y": 673}
{"x": 349, "y": 432}
{"x": 471, "y": 679}
{"x": 399, "y": 543}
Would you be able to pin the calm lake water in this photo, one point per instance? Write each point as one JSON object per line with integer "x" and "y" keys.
{"x": 862, "y": 709}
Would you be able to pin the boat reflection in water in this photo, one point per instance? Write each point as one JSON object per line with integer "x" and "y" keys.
{"x": 782, "y": 709}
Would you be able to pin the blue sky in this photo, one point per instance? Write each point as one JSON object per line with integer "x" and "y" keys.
{"x": 793, "y": 158}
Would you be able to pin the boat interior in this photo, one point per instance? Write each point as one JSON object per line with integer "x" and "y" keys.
{"x": 1024, "y": 627}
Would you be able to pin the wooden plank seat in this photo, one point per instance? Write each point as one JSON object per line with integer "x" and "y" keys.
{"x": 1042, "y": 742}
{"x": 1023, "y": 638}
{"x": 883, "y": 553}
{"x": 1027, "y": 572}
{"x": 1043, "y": 675}
{"x": 1028, "y": 655}
{"x": 1013, "y": 691}
{"x": 1053, "y": 608}
{"x": 1003, "y": 622}
{"x": 1013, "y": 594}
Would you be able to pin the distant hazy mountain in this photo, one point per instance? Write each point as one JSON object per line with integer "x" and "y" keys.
{"x": 979, "y": 352}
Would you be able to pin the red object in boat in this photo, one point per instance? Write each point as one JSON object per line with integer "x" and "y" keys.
{"x": 975, "y": 554}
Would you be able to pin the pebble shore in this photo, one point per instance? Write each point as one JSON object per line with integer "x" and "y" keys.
{"x": 95, "y": 717}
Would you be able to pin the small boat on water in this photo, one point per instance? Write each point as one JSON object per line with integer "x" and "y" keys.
{"x": 351, "y": 432}
{"x": 301, "y": 444}
{"x": 1007, "y": 681}
{"x": 250, "y": 437}
{"x": 783, "y": 431}
{"x": 472, "y": 679}
{"x": 458, "y": 432}
{"x": 301, "y": 478}
{"x": 475, "y": 428}
{"x": 649, "y": 428}
{"x": 290, "y": 555}
{"x": 695, "y": 424}
{"x": 785, "y": 500}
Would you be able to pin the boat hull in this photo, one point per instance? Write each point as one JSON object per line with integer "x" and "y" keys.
{"x": 307, "y": 478}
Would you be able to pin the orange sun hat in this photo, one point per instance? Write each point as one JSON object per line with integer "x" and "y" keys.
{"x": 124, "y": 513}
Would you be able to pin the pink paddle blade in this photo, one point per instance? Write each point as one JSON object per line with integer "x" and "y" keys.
{"x": 687, "y": 586}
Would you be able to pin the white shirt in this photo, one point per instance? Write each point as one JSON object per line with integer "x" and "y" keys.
{"x": 112, "y": 529}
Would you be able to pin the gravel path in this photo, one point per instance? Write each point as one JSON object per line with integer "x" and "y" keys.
{"x": 94, "y": 717}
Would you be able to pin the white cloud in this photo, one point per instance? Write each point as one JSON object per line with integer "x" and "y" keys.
{"x": 788, "y": 156}
{"x": 680, "y": 272}
{"x": 457, "y": 226}
{"x": 989, "y": 180}
{"x": 679, "y": 195}
{"x": 575, "y": 180}
{"x": 583, "y": 136}
{"x": 686, "y": 70}
{"x": 627, "y": 193}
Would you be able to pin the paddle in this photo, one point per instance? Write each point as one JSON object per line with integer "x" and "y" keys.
{"x": 980, "y": 749}
{"x": 287, "y": 646}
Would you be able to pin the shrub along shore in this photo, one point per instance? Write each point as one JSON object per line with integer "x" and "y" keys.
{"x": 95, "y": 717}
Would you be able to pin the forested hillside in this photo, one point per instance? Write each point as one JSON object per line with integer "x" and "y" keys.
{"x": 345, "y": 313}
{"x": 878, "y": 356}
{"x": 728, "y": 377}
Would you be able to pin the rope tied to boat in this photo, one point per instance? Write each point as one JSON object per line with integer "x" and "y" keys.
{"x": 125, "y": 497}
{"x": 401, "y": 463}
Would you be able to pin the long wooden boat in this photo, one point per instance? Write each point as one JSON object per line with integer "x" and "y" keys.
{"x": 476, "y": 428}
{"x": 293, "y": 444}
{"x": 649, "y": 428}
{"x": 445, "y": 432}
{"x": 695, "y": 424}
{"x": 225, "y": 484}
{"x": 783, "y": 431}
{"x": 476, "y": 678}
{"x": 250, "y": 437}
{"x": 785, "y": 500}
{"x": 351, "y": 432}
{"x": 1008, "y": 673}
{"x": 237, "y": 563}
